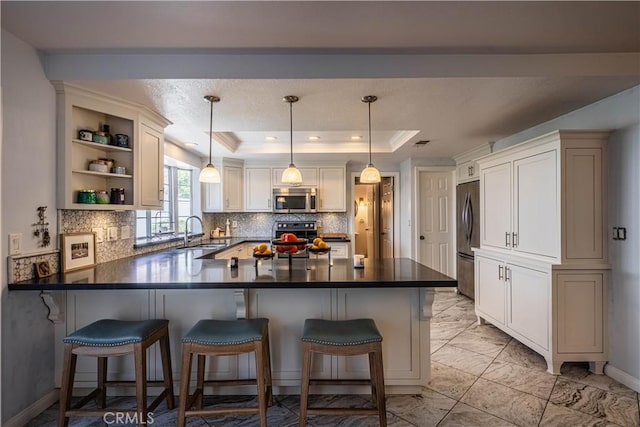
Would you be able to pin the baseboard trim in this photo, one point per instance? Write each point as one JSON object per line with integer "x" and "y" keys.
{"x": 33, "y": 410}
{"x": 622, "y": 377}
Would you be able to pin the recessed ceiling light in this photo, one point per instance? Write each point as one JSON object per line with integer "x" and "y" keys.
{"x": 271, "y": 138}
{"x": 314, "y": 138}
{"x": 356, "y": 137}
{"x": 191, "y": 144}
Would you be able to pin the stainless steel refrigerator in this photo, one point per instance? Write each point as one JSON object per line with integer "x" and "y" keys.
{"x": 467, "y": 233}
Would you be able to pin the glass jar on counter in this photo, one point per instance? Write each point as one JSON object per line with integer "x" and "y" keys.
{"x": 117, "y": 196}
{"x": 102, "y": 197}
{"x": 87, "y": 196}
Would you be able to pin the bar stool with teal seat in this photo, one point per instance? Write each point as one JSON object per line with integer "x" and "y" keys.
{"x": 343, "y": 338}
{"x": 219, "y": 338}
{"x": 108, "y": 337}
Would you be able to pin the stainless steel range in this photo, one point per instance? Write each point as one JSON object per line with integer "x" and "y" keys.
{"x": 302, "y": 229}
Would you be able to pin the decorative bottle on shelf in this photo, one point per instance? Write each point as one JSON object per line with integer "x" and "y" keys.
{"x": 105, "y": 129}
{"x": 227, "y": 230}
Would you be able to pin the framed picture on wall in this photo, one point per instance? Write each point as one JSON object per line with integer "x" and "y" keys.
{"x": 77, "y": 251}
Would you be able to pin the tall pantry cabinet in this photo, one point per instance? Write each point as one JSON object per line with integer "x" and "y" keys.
{"x": 541, "y": 269}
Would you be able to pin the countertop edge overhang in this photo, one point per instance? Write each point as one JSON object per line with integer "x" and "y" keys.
{"x": 182, "y": 269}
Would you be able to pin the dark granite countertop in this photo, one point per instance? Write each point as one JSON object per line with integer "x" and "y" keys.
{"x": 185, "y": 269}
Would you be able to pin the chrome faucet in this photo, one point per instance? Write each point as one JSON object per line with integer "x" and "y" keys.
{"x": 186, "y": 228}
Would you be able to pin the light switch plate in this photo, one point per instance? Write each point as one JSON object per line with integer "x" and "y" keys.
{"x": 234, "y": 224}
{"x": 112, "y": 233}
{"x": 99, "y": 234}
{"x": 125, "y": 232}
{"x": 15, "y": 243}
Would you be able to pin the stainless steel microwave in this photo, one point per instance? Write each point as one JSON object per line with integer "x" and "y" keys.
{"x": 294, "y": 200}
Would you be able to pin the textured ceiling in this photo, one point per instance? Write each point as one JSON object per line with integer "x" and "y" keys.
{"x": 485, "y": 101}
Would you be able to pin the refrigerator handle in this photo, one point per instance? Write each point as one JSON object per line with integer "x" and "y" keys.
{"x": 469, "y": 220}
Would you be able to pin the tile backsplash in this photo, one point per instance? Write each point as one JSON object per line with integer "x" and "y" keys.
{"x": 249, "y": 225}
{"x": 261, "y": 224}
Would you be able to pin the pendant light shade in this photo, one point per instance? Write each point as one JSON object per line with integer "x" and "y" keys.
{"x": 370, "y": 175}
{"x": 292, "y": 174}
{"x": 210, "y": 174}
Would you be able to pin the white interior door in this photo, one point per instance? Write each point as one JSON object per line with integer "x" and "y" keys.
{"x": 435, "y": 230}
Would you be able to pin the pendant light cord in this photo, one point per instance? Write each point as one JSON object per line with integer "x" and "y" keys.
{"x": 210, "y": 130}
{"x": 291, "y": 129}
{"x": 369, "y": 103}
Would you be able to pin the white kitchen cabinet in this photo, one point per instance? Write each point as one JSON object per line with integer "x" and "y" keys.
{"x": 541, "y": 268}
{"x": 545, "y": 197}
{"x": 400, "y": 331}
{"x": 332, "y": 190}
{"x": 466, "y": 164}
{"x": 185, "y": 309}
{"x": 495, "y": 205}
{"x": 467, "y": 171}
{"x": 257, "y": 193}
{"x": 528, "y": 302}
{"x": 556, "y": 312}
{"x": 80, "y": 109}
{"x": 287, "y": 310}
{"x": 227, "y": 195}
{"x": 490, "y": 292}
{"x": 309, "y": 177}
{"x": 151, "y": 167}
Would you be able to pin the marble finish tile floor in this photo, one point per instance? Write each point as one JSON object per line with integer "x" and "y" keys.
{"x": 480, "y": 377}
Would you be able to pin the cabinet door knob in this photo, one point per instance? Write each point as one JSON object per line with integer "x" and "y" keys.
{"x": 421, "y": 237}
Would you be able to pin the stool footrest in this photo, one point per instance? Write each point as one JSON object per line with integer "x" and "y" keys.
{"x": 229, "y": 382}
{"x": 339, "y": 382}
{"x": 86, "y": 399}
{"x": 222, "y": 411}
{"x": 131, "y": 383}
{"x": 342, "y": 411}
{"x": 97, "y": 412}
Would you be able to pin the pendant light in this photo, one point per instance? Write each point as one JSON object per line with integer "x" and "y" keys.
{"x": 369, "y": 175}
{"x": 210, "y": 174}
{"x": 292, "y": 174}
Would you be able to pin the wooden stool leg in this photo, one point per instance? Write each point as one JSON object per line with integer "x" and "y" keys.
{"x": 140, "y": 356}
{"x": 372, "y": 377}
{"x": 68, "y": 373}
{"x": 260, "y": 383}
{"x": 267, "y": 370}
{"x": 167, "y": 375}
{"x": 380, "y": 394}
{"x": 304, "y": 386}
{"x": 185, "y": 379}
{"x": 102, "y": 380}
{"x": 200, "y": 381}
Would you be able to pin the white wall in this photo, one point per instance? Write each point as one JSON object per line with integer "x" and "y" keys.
{"x": 28, "y": 181}
{"x": 624, "y": 280}
{"x": 620, "y": 113}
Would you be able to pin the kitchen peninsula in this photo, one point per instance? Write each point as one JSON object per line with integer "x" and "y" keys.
{"x": 185, "y": 285}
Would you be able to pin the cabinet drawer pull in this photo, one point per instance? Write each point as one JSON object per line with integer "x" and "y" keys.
{"x": 507, "y": 274}
{"x": 500, "y": 272}
{"x": 507, "y": 240}
{"x": 470, "y": 170}
{"x": 514, "y": 239}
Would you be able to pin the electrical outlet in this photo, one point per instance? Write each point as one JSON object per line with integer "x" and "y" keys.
{"x": 99, "y": 234}
{"x": 15, "y": 243}
{"x": 125, "y": 232}
{"x": 112, "y": 233}
{"x": 234, "y": 224}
